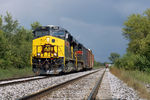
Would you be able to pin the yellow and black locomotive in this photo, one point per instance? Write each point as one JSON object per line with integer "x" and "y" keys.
{"x": 54, "y": 50}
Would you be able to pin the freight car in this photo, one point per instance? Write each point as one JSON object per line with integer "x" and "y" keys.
{"x": 55, "y": 50}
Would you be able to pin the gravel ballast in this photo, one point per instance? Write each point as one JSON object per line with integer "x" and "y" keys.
{"x": 104, "y": 92}
{"x": 15, "y": 91}
{"x": 120, "y": 90}
{"x": 79, "y": 90}
{"x": 147, "y": 87}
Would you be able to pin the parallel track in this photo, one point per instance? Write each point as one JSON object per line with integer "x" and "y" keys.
{"x": 9, "y": 79}
{"x": 48, "y": 90}
{"x": 20, "y": 80}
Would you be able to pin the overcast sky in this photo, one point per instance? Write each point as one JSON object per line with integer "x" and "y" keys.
{"x": 97, "y": 24}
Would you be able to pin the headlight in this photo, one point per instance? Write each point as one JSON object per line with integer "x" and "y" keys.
{"x": 55, "y": 54}
{"x": 38, "y": 54}
{"x": 48, "y": 40}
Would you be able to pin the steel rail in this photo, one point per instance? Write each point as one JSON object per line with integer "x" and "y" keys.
{"x": 94, "y": 91}
{"x": 9, "y": 79}
{"x": 49, "y": 90}
{"x": 20, "y": 80}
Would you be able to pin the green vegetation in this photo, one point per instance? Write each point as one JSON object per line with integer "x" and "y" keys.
{"x": 137, "y": 31}
{"x": 15, "y": 47}
{"x": 134, "y": 79}
{"x": 34, "y": 25}
{"x": 15, "y": 72}
{"x": 97, "y": 64}
{"x": 113, "y": 57}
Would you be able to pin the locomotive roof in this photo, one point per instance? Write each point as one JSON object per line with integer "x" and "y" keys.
{"x": 50, "y": 27}
{"x": 55, "y": 27}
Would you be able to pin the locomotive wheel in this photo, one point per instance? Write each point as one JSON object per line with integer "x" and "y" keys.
{"x": 68, "y": 67}
{"x": 37, "y": 71}
{"x": 46, "y": 66}
{"x": 79, "y": 67}
{"x": 71, "y": 67}
{"x": 65, "y": 70}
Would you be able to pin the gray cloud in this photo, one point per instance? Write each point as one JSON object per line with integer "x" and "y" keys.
{"x": 101, "y": 39}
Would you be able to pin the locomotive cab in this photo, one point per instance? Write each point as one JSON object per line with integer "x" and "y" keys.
{"x": 46, "y": 30}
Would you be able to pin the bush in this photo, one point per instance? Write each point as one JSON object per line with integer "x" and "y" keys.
{"x": 16, "y": 44}
{"x": 131, "y": 62}
{"x": 97, "y": 64}
{"x": 127, "y": 62}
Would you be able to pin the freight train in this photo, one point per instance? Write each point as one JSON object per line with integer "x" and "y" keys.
{"x": 55, "y": 50}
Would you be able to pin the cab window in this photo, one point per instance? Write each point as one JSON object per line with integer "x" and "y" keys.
{"x": 40, "y": 33}
{"x": 58, "y": 33}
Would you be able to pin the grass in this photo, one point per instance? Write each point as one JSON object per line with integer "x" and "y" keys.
{"x": 15, "y": 73}
{"x": 134, "y": 79}
{"x": 96, "y": 67}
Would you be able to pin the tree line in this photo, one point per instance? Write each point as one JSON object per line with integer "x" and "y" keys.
{"x": 15, "y": 43}
{"x": 137, "y": 31}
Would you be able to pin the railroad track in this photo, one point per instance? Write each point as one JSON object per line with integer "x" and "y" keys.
{"x": 94, "y": 91}
{"x": 47, "y": 91}
{"x": 8, "y": 79}
{"x": 20, "y": 80}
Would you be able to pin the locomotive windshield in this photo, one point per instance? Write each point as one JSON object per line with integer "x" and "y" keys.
{"x": 58, "y": 33}
{"x": 42, "y": 31}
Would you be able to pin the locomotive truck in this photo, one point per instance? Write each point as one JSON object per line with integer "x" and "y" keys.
{"x": 55, "y": 50}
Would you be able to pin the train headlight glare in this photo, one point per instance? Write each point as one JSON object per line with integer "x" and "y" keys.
{"x": 48, "y": 40}
{"x": 38, "y": 54}
{"x": 55, "y": 54}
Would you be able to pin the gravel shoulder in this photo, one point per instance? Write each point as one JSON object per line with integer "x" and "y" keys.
{"x": 120, "y": 90}
{"x": 113, "y": 88}
{"x": 147, "y": 87}
{"x": 104, "y": 89}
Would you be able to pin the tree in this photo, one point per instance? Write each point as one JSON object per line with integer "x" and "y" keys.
{"x": 137, "y": 28}
{"x": 15, "y": 43}
{"x": 113, "y": 57}
{"x": 1, "y": 22}
{"x": 137, "y": 31}
{"x": 10, "y": 26}
{"x": 22, "y": 47}
{"x": 34, "y": 25}
{"x": 96, "y": 64}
